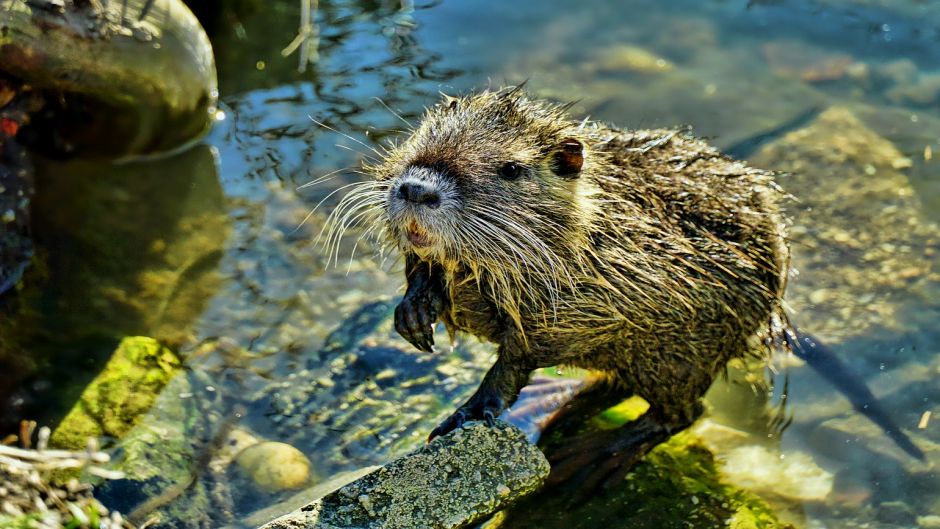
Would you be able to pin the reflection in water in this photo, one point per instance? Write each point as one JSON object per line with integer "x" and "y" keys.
{"x": 215, "y": 261}
{"x": 128, "y": 249}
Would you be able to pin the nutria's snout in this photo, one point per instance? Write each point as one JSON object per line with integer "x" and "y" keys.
{"x": 419, "y": 193}
{"x": 420, "y": 204}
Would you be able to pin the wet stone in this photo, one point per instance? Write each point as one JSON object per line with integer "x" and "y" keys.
{"x": 629, "y": 58}
{"x": 274, "y": 466}
{"x": 931, "y": 521}
{"x": 367, "y": 396}
{"x": 895, "y": 512}
{"x": 452, "y": 482}
{"x": 761, "y": 470}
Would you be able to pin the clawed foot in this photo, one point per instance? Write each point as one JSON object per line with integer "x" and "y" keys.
{"x": 415, "y": 317}
{"x": 601, "y": 460}
{"x": 481, "y": 406}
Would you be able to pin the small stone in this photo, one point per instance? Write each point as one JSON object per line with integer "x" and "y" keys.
{"x": 896, "y": 512}
{"x": 366, "y": 503}
{"x": 386, "y": 374}
{"x": 841, "y": 236}
{"x": 631, "y": 59}
{"x": 275, "y": 466}
{"x": 819, "y": 296}
{"x": 931, "y": 521}
{"x": 902, "y": 163}
{"x": 795, "y": 59}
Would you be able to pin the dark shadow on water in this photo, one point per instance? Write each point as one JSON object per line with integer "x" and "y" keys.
{"x": 125, "y": 249}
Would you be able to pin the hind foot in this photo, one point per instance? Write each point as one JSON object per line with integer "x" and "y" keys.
{"x": 602, "y": 459}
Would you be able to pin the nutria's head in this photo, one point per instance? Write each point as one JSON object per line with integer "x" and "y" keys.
{"x": 492, "y": 184}
{"x": 489, "y": 180}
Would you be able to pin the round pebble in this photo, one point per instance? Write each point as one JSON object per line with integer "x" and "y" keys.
{"x": 274, "y": 466}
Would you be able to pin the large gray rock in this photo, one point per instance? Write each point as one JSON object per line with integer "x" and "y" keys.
{"x": 452, "y": 482}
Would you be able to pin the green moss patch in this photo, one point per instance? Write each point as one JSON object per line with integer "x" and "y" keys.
{"x": 123, "y": 391}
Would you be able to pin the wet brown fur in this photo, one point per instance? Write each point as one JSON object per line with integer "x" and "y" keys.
{"x": 656, "y": 264}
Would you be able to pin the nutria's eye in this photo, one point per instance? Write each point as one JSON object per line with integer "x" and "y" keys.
{"x": 510, "y": 171}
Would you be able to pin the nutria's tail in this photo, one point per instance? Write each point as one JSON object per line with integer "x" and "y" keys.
{"x": 827, "y": 364}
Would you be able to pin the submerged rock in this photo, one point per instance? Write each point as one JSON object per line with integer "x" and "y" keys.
{"x": 796, "y": 59}
{"x": 792, "y": 476}
{"x": 859, "y": 239}
{"x": 452, "y": 482}
{"x": 629, "y": 58}
{"x": 274, "y": 466}
{"x": 164, "y": 454}
{"x": 120, "y": 395}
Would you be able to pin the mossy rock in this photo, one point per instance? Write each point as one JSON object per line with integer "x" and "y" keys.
{"x": 162, "y": 455}
{"x": 677, "y": 485}
{"x": 117, "y": 398}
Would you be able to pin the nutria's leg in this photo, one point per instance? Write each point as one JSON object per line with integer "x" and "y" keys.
{"x": 595, "y": 397}
{"x": 423, "y": 302}
{"x": 604, "y": 458}
{"x": 499, "y": 389}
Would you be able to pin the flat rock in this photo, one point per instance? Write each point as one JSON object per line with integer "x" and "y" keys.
{"x": 452, "y": 482}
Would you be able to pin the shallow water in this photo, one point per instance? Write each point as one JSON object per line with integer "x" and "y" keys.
{"x": 213, "y": 250}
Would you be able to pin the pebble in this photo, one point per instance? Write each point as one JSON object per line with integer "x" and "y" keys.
{"x": 274, "y": 466}
{"x": 631, "y": 59}
{"x": 931, "y": 521}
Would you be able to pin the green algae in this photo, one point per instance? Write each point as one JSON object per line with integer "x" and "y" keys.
{"x": 116, "y": 399}
{"x": 626, "y": 411}
{"x": 26, "y": 521}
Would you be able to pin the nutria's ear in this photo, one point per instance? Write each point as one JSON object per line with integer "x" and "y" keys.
{"x": 568, "y": 158}
{"x": 449, "y": 102}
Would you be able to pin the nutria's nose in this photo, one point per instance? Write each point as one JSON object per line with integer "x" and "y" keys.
{"x": 419, "y": 193}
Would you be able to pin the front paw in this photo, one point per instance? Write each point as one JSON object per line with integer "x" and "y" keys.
{"x": 415, "y": 317}
{"x": 479, "y": 407}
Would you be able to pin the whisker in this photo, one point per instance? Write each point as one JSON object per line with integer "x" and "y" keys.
{"x": 396, "y": 114}
{"x": 365, "y": 155}
{"x": 327, "y": 197}
{"x": 347, "y": 136}
{"x": 323, "y": 178}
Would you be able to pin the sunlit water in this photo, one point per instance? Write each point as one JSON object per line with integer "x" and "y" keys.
{"x": 213, "y": 250}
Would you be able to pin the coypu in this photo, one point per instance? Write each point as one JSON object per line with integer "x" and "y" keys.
{"x": 645, "y": 256}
